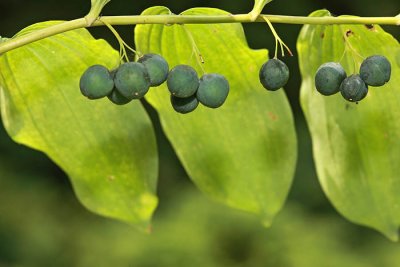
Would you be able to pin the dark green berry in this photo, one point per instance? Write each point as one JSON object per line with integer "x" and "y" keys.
{"x": 375, "y": 70}
{"x": 157, "y": 68}
{"x": 353, "y": 88}
{"x": 183, "y": 81}
{"x": 328, "y": 78}
{"x": 117, "y": 98}
{"x": 184, "y": 105}
{"x": 132, "y": 80}
{"x": 96, "y": 82}
{"x": 274, "y": 74}
{"x": 213, "y": 90}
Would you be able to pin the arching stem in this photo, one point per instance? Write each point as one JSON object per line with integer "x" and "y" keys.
{"x": 14, "y": 43}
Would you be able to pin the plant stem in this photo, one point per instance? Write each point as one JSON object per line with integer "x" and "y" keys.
{"x": 257, "y": 9}
{"x": 187, "y": 19}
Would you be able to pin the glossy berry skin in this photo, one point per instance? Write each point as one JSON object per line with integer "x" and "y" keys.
{"x": 353, "y": 88}
{"x": 274, "y": 74}
{"x": 213, "y": 90}
{"x": 375, "y": 70}
{"x": 328, "y": 78}
{"x": 157, "y": 68}
{"x": 184, "y": 105}
{"x": 182, "y": 81}
{"x": 117, "y": 98}
{"x": 96, "y": 82}
{"x": 132, "y": 80}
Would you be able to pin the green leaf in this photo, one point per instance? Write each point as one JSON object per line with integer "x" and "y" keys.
{"x": 258, "y": 7}
{"x": 244, "y": 153}
{"x": 95, "y": 10}
{"x": 108, "y": 151}
{"x": 356, "y": 147}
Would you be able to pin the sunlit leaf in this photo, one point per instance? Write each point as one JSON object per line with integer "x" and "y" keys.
{"x": 356, "y": 147}
{"x": 109, "y": 152}
{"x": 242, "y": 154}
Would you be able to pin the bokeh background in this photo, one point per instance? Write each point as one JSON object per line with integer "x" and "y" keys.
{"x": 42, "y": 223}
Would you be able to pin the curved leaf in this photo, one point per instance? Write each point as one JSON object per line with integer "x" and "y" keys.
{"x": 244, "y": 153}
{"x": 356, "y": 147}
{"x": 109, "y": 152}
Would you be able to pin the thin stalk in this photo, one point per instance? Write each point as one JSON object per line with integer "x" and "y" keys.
{"x": 277, "y": 40}
{"x": 195, "y": 49}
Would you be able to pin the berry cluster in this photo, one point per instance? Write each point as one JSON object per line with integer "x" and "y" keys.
{"x": 187, "y": 90}
{"x": 331, "y": 78}
{"x": 132, "y": 80}
{"x": 129, "y": 81}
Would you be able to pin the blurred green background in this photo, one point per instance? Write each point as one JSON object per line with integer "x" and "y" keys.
{"x": 42, "y": 223}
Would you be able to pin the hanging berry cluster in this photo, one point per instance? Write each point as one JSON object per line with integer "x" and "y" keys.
{"x": 331, "y": 78}
{"x": 132, "y": 80}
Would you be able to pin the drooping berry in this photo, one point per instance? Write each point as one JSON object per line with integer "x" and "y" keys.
{"x": 353, "y": 88}
{"x": 184, "y": 105}
{"x": 117, "y": 98}
{"x": 328, "y": 78}
{"x": 375, "y": 70}
{"x": 274, "y": 74}
{"x": 96, "y": 82}
{"x": 132, "y": 80}
{"x": 157, "y": 68}
{"x": 182, "y": 81}
{"x": 213, "y": 90}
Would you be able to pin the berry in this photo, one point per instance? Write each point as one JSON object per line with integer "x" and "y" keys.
{"x": 157, "y": 68}
{"x": 328, "y": 78}
{"x": 182, "y": 81}
{"x": 132, "y": 80}
{"x": 184, "y": 105}
{"x": 274, "y": 74}
{"x": 375, "y": 70}
{"x": 213, "y": 90}
{"x": 96, "y": 82}
{"x": 353, "y": 88}
{"x": 117, "y": 98}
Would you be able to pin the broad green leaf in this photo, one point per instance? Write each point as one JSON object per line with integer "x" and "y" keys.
{"x": 95, "y": 10}
{"x": 108, "y": 151}
{"x": 356, "y": 147}
{"x": 244, "y": 153}
{"x": 258, "y": 7}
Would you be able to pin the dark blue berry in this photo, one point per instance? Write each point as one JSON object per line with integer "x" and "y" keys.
{"x": 353, "y": 88}
{"x": 213, "y": 90}
{"x": 274, "y": 74}
{"x": 132, "y": 80}
{"x": 328, "y": 78}
{"x": 182, "y": 81}
{"x": 157, "y": 68}
{"x": 96, "y": 82}
{"x": 375, "y": 70}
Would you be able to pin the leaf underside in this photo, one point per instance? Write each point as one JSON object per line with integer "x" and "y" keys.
{"x": 356, "y": 147}
{"x": 108, "y": 151}
{"x": 244, "y": 153}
